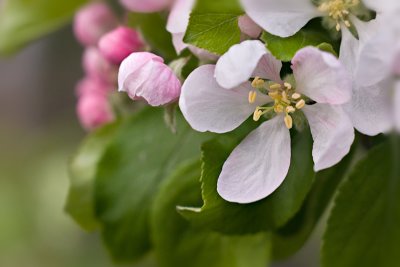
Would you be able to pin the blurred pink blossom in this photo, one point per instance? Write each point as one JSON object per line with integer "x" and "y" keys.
{"x": 97, "y": 67}
{"x": 146, "y": 6}
{"x": 92, "y": 22}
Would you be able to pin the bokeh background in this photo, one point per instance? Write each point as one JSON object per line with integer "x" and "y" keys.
{"x": 38, "y": 134}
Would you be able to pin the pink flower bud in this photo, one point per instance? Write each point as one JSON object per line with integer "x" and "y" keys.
{"x": 249, "y": 27}
{"x": 89, "y": 85}
{"x": 97, "y": 67}
{"x": 116, "y": 45}
{"x": 92, "y": 22}
{"x": 146, "y": 6}
{"x": 94, "y": 110}
{"x": 145, "y": 75}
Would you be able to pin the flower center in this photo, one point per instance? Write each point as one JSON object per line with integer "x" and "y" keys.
{"x": 284, "y": 96}
{"x": 338, "y": 10}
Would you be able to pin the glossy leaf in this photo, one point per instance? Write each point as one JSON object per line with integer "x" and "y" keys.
{"x": 363, "y": 228}
{"x": 177, "y": 243}
{"x": 142, "y": 153}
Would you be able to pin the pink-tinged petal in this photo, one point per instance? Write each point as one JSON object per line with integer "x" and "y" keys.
{"x": 370, "y": 109}
{"x": 333, "y": 134}
{"x": 320, "y": 76}
{"x": 349, "y": 51}
{"x": 133, "y": 63}
{"x": 249, "y": 27}
{"x": 373, "y": 65}
{"x": 94, "y": 110}
{"x": 209, "y": 107}
{"x": 203, "y": 55}
{"x": 97, "y": 67}
{"x": 269, "y": 68}
{"x": 92, "y": 22}
{"x": 382, "y": 5}
{"x": 284, "y": 17}
{"x": 145, "y": 6}
{"x": 116, "y": 45}
{"x": 178, "y": 19}
{"x": 177, "y": 41}
{"x": 242, "y": 60}
{"x": 151, "y": 80}
{"x": 397, "y": 106}
{"x": 258, "y": 166}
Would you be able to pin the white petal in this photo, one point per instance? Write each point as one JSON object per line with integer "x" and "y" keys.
{"x": 178, "y": 19}
{"x": 333, "y": 134}
{"x": 397, "y": 106}
{"x": 382, "y": 5}
{"x": 320, "y": 76}
{"x": 370, "y": 109}
{"x": 258, "y": 166}
{"x": 242, "y": 60}
{"x": 283, "y": 17}
{"x": 209, "y": 107}
{"x": 177, "y": 41}
{"x": 374, "y": 65}
{"x": 349, "y": 51}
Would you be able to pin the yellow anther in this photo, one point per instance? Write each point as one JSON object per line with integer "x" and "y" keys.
{"x": 252, "y": 96}
{"x": 290, "y": 109}
{"x": 273, "y": 95}
{"x": 347, "y": 23}
{"x": 285, "y": 98}
{"x": 338, "y": 27}
{"x": 278, "y": 108}
{"x": 300, "y": 104}
{"x": 288, "y": 86}
{"x": 275, "y": 86}
{"x": 257, "y": 82}
{"x": 296, "y": 96}
{"x": 288, "y": 121}
{"x": 257, "y": 114}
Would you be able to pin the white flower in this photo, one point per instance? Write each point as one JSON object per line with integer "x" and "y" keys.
{"x": 372, "y": 60}
{"x": 260, "y": 163}
{"x": 286, "y": 17}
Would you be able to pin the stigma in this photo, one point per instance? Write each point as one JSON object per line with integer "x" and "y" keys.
{"x": 338, "y": 10}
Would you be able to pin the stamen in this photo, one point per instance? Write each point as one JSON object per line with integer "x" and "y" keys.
{"x": 275, "y": 86}
{"x": 252, "y": 96}
{"x": 288, "y": 86}
{"x": 257, "y": 115}
{"x": 273, "y": 95}
{"x": 257, "y": 83}
{"x": 278, "y": 108}
{"x": 290, "y": 109}
{"x": 288, "y": 121}
{"x": 296, "y": 96}
{"x": 300, "y": 104}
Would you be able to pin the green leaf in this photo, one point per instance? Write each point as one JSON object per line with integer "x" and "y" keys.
{"x": 285, "y": 48}
{"x": 153, "y": 28}
{"x": 82, "y": 170}
{"x": 213, "y": 25}
{"x": 22, "y": 21}
{"x": 142, "y": 153}
{"x": 177, "y": 243}
{"x": 363, "y": 228}
{"x": 291, "y": 238}
{"x": 267, "y": 214}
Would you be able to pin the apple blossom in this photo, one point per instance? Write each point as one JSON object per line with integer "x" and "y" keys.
{"x": 116, "y": 45}
{"x": 260, "y": 163}
{"x": 372, "y": 60}
{"x": 144, "y": 75}
{"x": 90, "y": 85}
{"x": 97, "y": 67}
{"x": 286, "y": 17}
{"x": 146, "y": 6}
{"x": 92, "y": 22}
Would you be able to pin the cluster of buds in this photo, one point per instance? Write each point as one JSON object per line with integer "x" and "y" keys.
{"x": 107, "y": 44}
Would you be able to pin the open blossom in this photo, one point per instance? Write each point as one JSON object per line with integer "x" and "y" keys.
{"x": 260, "y": 163}
{"x": 92, "y": 22}
{"x": 97, "y": 67}
{"x": 372, "y": 59}
{"x": 116, "y": 45}
{"x": 286, "y": 17}
{"x": 146, "y": 6}
{"x": 144, "y": 75}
